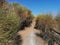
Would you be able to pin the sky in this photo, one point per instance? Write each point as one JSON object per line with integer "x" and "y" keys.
{"x": 40, "y": 6}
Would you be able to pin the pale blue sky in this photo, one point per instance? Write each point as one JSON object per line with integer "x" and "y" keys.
{"x": 40, "y": 6}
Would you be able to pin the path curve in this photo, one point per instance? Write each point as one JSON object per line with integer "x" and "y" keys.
{"x": 29, "y": 37}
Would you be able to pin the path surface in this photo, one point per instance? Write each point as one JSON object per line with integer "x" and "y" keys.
{"x": 29, "y": 37}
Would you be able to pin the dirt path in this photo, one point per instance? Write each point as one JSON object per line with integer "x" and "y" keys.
{"x": 29, "y": 37}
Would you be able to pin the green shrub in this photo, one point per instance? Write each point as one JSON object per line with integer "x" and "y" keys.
{"x": 45, "y": 21}
{"x": 24, "y": 14}
{"x": 8, "y": 25}
{"x": 57, "y": 18}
